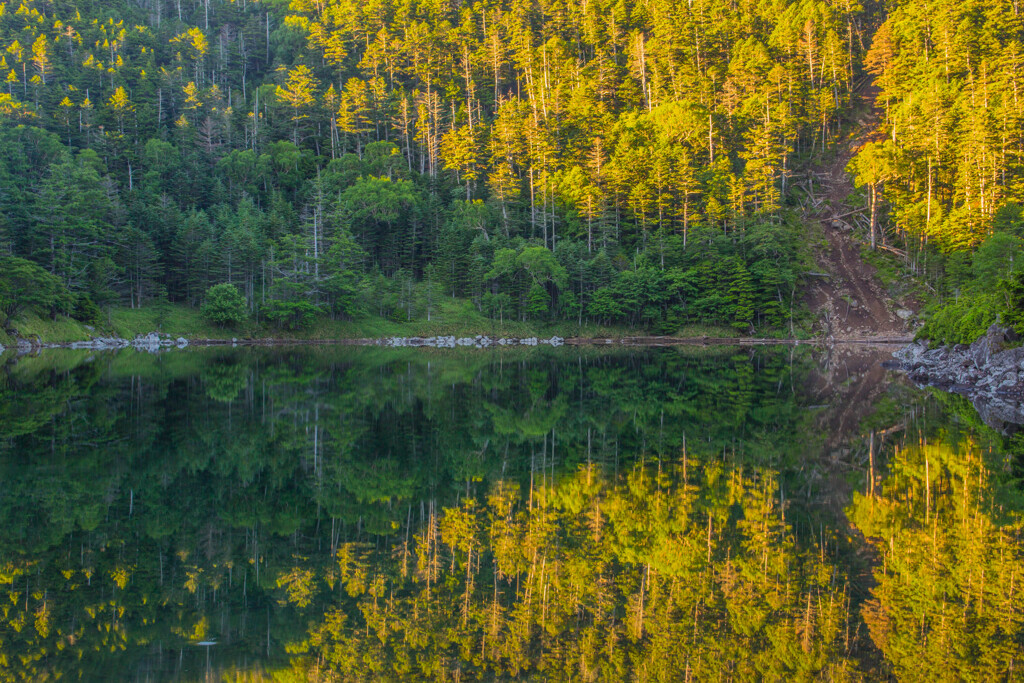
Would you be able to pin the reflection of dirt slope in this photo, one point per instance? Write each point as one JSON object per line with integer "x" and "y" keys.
{"x": 850, "y": 300}
{"x": 849, "y": 382}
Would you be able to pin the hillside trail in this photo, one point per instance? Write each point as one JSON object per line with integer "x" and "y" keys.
{"x": 848, "y": 296}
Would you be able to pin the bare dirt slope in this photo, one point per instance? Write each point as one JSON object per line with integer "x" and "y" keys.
{"x": 848, "y": 295}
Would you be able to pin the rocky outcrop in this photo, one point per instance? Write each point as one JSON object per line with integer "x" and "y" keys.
{"x": 990, "y": 372}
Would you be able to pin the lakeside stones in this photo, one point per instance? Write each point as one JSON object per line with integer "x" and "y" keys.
{"x": 477, "y": 342}
{"x": 151, "y": 342}
{"x": 154, "y": 342}
{"x": 986, "y": 372}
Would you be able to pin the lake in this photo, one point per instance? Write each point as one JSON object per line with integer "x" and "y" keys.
{"x": 342, "y": 513}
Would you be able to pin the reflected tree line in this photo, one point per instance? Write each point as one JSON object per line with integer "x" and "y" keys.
{"x": 366, "y": 514}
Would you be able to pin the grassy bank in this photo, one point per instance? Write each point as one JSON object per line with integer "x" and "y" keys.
{"x": 458, "y": 318}
{"x": 450, "y": 318}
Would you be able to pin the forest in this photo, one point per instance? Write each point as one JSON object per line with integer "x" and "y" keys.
{"x": 639, "y": 165}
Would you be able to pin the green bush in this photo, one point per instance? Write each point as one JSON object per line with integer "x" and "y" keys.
{"x": 961, "y": 321}
{"x": 224, "y": 305}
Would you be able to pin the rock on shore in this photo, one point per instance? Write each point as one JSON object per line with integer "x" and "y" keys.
{"x": 479, "y": 341}
{"x": 987, "y": 372}
{"x": 151, "y": 342}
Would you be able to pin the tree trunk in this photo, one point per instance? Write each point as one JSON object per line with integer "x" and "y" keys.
{"x": 874, "y": 219}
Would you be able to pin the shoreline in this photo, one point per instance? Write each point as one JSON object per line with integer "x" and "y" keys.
{"x": 154, "y": 342}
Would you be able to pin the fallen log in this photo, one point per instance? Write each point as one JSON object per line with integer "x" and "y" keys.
{"x": 850, "y": 213}
{"x": 893, "y": 250}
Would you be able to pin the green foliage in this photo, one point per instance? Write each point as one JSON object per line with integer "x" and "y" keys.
{"x": 745, "y": 283}
{"x": 636, "y": 295}
{"x": 290, "y": 315}
{"x": 961, "y": 321}
{"x": 73, "y": 233}
{"x": 496, "y": 306}
{"x": 996, "y": 258}
{"x": 874, "y": 163}
{"x": 1012, "y": 291}
{"x": 224, "y": 305}
{"x": 988, "y": 283}
{"x": 354, "y": 165}
{"x": 145, "y": 159}
{"x": 536, "y": 302}
{"x": 86, "y": 309}
{"x": 343, "y": 282}
{"x": 938, "y": 136}
{"x": 939, "y": 183}
{"x": 25, "y": 286}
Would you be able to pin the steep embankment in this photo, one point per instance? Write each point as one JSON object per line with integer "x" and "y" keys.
{"x": 847, "y": 294}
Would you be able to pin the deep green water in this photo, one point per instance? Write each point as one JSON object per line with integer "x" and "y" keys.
{"x": 462, "y": 515}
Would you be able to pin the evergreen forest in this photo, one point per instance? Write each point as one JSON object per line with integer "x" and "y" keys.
{"x": 647, "y": 164}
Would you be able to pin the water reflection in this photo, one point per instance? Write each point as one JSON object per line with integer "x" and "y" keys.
{"x": 366, "y": 514}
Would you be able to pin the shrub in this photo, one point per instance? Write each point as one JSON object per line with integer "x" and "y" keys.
{"x": 961, "y": 321}
{"x": 224, "y": 305}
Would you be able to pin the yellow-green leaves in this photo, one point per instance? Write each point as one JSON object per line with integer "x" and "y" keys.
{"x": 299, "y": 91}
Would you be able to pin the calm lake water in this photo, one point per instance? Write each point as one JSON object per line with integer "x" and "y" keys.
{"x": 538, "y": 514}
